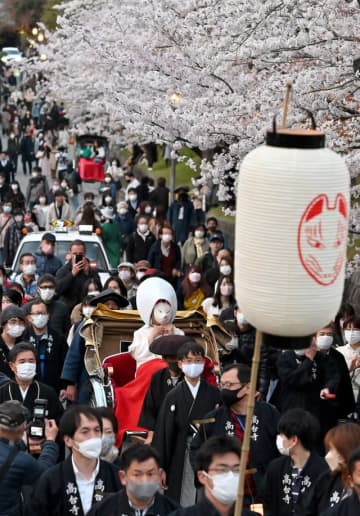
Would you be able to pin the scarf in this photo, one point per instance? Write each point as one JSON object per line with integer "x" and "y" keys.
{"x": 198, "y": 243}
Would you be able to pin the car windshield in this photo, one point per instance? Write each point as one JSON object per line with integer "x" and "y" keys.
{"x": 13, "y": 51}
{"x": 93, "y": 252}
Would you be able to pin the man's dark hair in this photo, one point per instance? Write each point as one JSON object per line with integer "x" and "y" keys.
{"x": 213, "y": 219}
{"x": 25, "y": 255}
{"x": 71, "y": 418}
{"x": 107, "y": 413}
{"x": 355, "y": 457}
{"x": 78, "y": 242}
{"x": 216, "y": 445}
{"x": 46, "y": 278}
{"x": 300, "y": 423}
{"x": 161, "y": 181}
{"x": 243, "y": 372}
{"x": 138, "y": 453}
{"x": 20, "y": 347}
{"x": 34, "y": 302}
{"x": 190, "y": 347}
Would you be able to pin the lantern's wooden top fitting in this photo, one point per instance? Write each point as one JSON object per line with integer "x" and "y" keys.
{"x": 294, "y": 138}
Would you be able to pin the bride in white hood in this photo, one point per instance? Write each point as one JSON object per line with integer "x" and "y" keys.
{"x": 157, "y": 304}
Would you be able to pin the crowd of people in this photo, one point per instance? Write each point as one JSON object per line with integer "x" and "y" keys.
{"x": 58, "y": 454}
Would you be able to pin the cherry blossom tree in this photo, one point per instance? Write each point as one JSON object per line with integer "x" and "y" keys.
{"x": 209, "y": 74}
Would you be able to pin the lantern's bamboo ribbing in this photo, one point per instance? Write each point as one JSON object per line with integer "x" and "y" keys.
{"x": 249, "y": 417}
{"x": 286, "y": 104}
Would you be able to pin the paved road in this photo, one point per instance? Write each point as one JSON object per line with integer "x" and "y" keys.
{"x": 23, "y": 180}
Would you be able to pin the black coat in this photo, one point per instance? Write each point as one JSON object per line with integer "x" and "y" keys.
{"x": 173, "y": 428}
{"x": 159, "y": 386}
{"x": 276, "y": 490}
{"x": 70, "y": 287}
{"x": 348, "y": 507}
{"x": 262, "y": 440}
{"x": 118, "y": 505}
{"x": 36, "y": 390}
{"x": 6, "y": 169}
{"x": 205, "y": 508}
{"x": 154, "y": 255}
{"x": 51, "y": 351}
{"x": 137, "y": 248}
{"x": 6, "y": 193}
{"x": 301, "y": 381}
{"x": 59, "y": 317}
{"x": 56, "y": 491}
{"x": 326, "y": 492}
{"x": 4, "y": 357}
{"x": 160, "y": 197}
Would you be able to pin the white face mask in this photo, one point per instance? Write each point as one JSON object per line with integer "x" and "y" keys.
{"x": 280, "y": 446}
{"x": 42, "y": 200}
{"x": 18, "y": 218}
{"x": 192, "y": 370}
{"x": 88, "y": 311}
{"x": 124, "y": 275}
{"x": 133, "y": 198}
{"x": 14, "y": 188}
{"x": 225, "y": 270}
{"x": 199, "y": 233}
{"x": 166, "y": 238}
{"x": 148, "y": 209}
{"x": 352, "y": 336}
{"x": 29, "y": 269}
{"x": 123, "y": 211}
{"x": 26, "y": 371}
{"x": 162, "y": 313}
{"x": 324, "y": 341}
{"x": 225, "y": 487}
{"x": 226, "y": 290}
{"x": 40, "y": 321}
{"x": 143, "y": 228}
{"x": 46, "y": 294}
{"x": 107, "y": 179}
{"x": 15, "y": 331}
{"x": 91, "y": 448}
{"x": 194, "y": 277}
{"x": 108, "y": 200}
{"x": 139, "y": 275}
{"x": 241, "y": 319}
{"x": 94, "y": 293}
{"x": 333, "y": 459}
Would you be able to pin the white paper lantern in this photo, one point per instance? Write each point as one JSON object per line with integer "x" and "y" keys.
{"x": 291, "y": 234}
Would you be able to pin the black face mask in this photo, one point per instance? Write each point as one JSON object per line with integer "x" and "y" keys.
{"x": 173, "y": 366}
{"x": 229, "y": 397}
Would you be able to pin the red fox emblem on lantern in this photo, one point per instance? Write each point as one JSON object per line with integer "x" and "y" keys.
{"x": 322, "y": 238}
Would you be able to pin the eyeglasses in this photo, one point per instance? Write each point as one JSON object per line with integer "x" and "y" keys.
{"x": 225, "y": 469}
{"x": 228, "y": 385}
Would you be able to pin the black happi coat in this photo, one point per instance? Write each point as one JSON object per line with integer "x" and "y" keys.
{"x": 262, "y": 440}
{"x": 36, "y": 390}
{"x": 159, "y": 387}
{"x": 56, "y": 492}
{"x": 173, "y": 428}
{"x": 326, "y": 492}
{"x": 348, "y": 507}
{"x": 118, "y": 505}
{"x": 277, "y": 485}
{"x": 205, "y": 508}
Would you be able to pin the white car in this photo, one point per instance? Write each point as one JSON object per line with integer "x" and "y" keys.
{"x": 95, "y": 251}
{"x": 11, "y": 54}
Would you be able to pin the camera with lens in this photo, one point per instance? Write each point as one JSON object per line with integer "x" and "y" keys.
{"x": 36, "y": 428}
